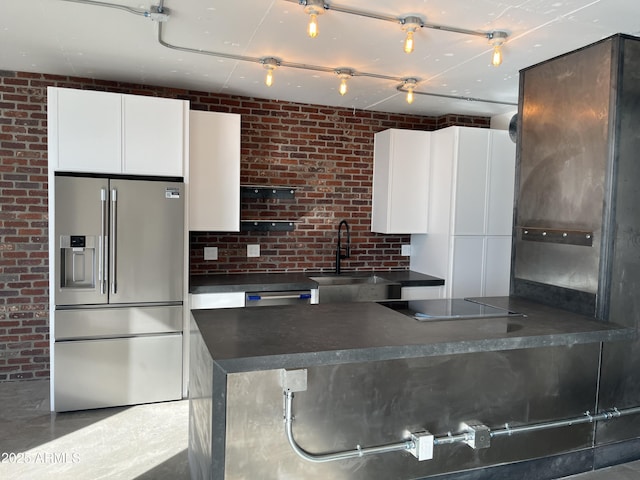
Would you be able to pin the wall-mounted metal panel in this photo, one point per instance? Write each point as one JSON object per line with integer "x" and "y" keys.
{"x": 380, "y": 402}
{"x": 563, "y": 156}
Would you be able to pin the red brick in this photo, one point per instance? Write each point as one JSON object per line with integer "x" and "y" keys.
{"x": 326, "y": 151}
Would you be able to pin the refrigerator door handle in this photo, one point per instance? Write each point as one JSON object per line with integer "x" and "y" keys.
{"x": 114, "y": 244}
{"x": 102, "y": 264}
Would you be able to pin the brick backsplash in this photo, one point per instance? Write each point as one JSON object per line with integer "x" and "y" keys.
{"x": 325, "y": 152}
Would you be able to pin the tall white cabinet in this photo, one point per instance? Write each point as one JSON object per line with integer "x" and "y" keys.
{"x": 471, "y": 185}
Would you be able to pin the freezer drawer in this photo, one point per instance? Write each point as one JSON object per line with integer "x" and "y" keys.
{"x": 118, "y": 371}
{"x": 87, "y": 323}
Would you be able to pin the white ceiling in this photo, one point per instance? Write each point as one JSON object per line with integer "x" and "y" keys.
{"x": 71, "y": 38}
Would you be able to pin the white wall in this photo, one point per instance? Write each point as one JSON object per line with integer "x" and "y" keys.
{"x": 501, "y": 122}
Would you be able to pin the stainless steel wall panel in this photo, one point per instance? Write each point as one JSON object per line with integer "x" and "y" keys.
{"x": 200, "y": 407}
{"x": 620, "y": 383}
{"x": 377, "y": 403}
{"x": 578, "y": 154}
{"x": 563, "y": 154}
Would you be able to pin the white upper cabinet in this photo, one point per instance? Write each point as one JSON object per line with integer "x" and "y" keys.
{"x": 400, "y": 181}
{"x": 100, "y": 132}
{"x": 214, "y": 172}
{"x": 84, "y": 130}
{"x": 480, "y": 169}
{"x": 153, "y": 135}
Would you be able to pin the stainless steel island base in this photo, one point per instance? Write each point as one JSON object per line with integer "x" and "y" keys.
{"x": 374, "y": 376}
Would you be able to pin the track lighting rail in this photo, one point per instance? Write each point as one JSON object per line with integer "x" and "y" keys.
{"x": 160, "y": 14}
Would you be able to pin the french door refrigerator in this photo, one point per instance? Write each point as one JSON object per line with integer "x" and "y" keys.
{"x": 116, "y": 329}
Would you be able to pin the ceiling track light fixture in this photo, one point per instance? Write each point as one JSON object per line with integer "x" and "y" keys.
{"x": 313, "y": 8}
{"x": 410, "y": 25}
{"x": 270, "y": 63}
{"x": 410, "y": 84}
{"x": 496, "y": 40}
{"x": 344, "y": 74}
{"x": 161, "y": 14}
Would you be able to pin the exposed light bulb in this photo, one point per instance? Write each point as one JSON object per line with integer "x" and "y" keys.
{"x": 270, "y": 63}
{"x": 410, "y": 95}
{"x": 496, "y": 57}
{"x": 408, "y": 43}
{"x": 312, "y": 30}
{"x": 343, "y": 86}
{"x": 496, "y": 40}
{"x": 410, "y": 24}
{"x": 269, "y": 78}
{"x": 410, "y": 85}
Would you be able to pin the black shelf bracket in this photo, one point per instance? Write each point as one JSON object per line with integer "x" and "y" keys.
{"x": 267, "y": 192}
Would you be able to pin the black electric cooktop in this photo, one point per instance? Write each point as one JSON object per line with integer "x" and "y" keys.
{"x": 449, "y": 308}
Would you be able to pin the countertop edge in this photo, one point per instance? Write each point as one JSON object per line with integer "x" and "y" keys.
{"x": 338, "y": 357}
{"x": 250, "y": 282}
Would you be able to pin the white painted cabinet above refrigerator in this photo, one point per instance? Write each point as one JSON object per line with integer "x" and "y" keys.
{"x": 400, "y": 181}
{"x": 101, "y": 132}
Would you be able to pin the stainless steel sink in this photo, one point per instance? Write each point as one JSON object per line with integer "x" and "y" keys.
{"x": 348, "y": 280}
{"x": 355, "y": 288}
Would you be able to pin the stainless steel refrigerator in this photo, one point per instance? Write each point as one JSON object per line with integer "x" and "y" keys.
{"x": 116, "y": 331}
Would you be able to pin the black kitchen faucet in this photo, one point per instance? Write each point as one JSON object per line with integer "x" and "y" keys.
{"x": 347, "y": 249}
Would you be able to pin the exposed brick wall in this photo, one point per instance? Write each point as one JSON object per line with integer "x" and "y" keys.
{"x": 325, "y": 152}
{"x": 24, "y": 301}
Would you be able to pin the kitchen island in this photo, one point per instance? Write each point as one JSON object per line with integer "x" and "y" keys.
{"x": 373, "y": 374}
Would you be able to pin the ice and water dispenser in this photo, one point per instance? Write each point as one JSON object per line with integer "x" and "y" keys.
{"x": 78, "y": 261}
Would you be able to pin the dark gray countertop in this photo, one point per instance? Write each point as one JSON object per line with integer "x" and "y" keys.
{"x": 297, "y": 336}
{"x": 264, "y": 282}
{"x": 249, "y": 282}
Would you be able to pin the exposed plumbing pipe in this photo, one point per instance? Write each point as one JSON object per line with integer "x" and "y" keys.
{"x": 411, "y": 445}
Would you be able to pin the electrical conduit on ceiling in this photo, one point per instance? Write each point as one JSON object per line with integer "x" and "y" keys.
{"x": 160, "y": 14}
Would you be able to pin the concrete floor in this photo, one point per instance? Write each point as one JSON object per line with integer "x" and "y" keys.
{"x": 141, "y": 442}
{"x": 147, "y": 442}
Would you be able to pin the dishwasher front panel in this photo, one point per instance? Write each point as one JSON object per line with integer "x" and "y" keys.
{"x": 287, "y": 297}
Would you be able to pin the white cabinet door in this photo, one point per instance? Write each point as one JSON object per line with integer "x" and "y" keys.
{"x": 480, "y": 266}
{"x": 497, "y": 266}
{"x": 214, "y": 171}
{"x": 421, "y": 293}
{"x": 400, "y": 182}
{"x": 502, "y": 172}
{"x": 466, "y": 279}
{"x": 101, "y": 132}
{"x": 153, "y": 135}
{"x": 470, "y": 181}
{"x": 84, "y": 130}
